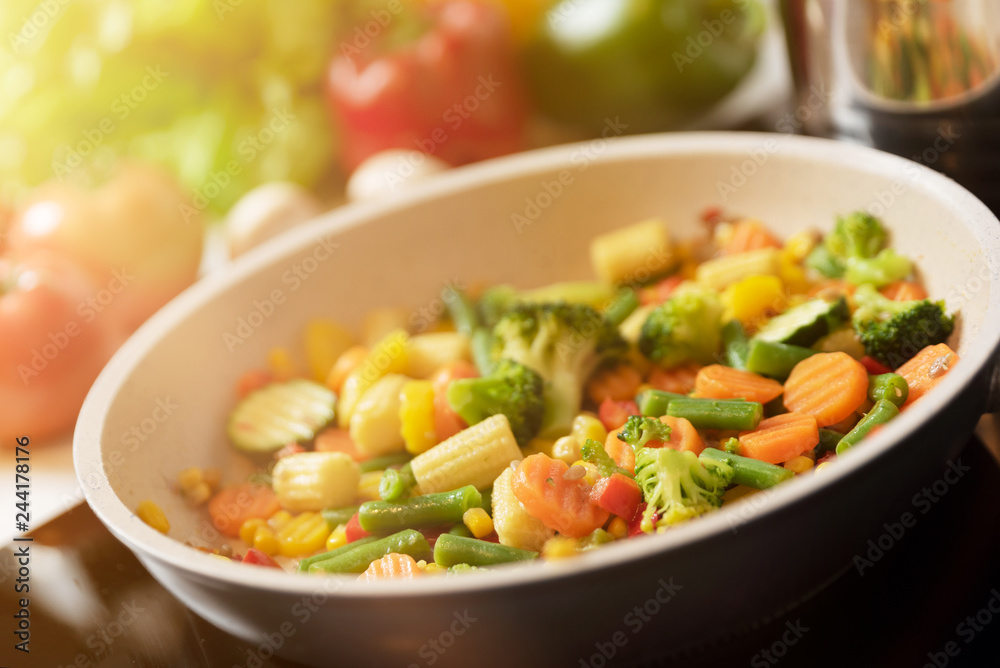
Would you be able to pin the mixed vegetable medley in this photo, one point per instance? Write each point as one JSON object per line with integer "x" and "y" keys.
{"x": 544, "y": 423}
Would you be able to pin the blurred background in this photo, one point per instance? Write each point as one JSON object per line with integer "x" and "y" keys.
{"x": 144, "y": 143}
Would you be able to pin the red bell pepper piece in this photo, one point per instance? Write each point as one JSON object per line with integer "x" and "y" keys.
{"x": 258, "y": 558}
{"x": 618, "y": 494}
{"x": 613, "y": 414}
{"x": 353, "y": 530}
{"x": 874, "y": 367}
{"x": 635, "y": 524}
{"x": 454, "y": 91}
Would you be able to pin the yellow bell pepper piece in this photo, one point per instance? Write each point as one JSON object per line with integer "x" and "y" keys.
{"x": 749, "y": 299}
{"x": 416, "y": 412}
{"x": 325, "y": 341}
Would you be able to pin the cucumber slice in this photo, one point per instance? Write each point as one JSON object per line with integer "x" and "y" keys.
{"x": 280, "y": 413}
{"x": 805, "y": 324}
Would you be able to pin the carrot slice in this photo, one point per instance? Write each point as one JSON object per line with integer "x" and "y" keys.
{"x": 613, "y": 414}
{"x": 446, "y": 421}
{"x": 828, "y": 386}
{"x": 620, "y": 451}
{"x": 679, "y": 379}
{"x": 619, "y": 383}
{"x": 562, "y": 505}
{"x": 716, "y": 381}
{"x": 392, "y": 565}
{"x": 748, "y": 235}
{"x": 777, "y": 439}
{"x": 903, "y": 291}
{"x": 926, "y": 369}
{"x": 334, "y": 439}
{"x": 234, "y": 505}
{"x": 683, "y": 435}
{"x": 348, "y": 361}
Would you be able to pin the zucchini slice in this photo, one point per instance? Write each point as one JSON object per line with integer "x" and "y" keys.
{"x": 280, "y": 413}
{"x": 805, "y": 324}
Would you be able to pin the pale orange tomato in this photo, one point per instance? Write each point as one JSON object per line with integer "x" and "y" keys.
{"x": 137, "y": 235}
{"x": 50, "y": 353}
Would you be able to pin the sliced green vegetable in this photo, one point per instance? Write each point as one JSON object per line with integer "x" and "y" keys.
{"x": 718, "y": 413}
{"x": 428, "y": 510}
{"x": 805, "y": 324}
{"x": 281, "y": 413}
{"x": 775, "y": 360}
{"x": 746, "y": 471}
{"x": 362, "y": 554}
{"x": 451, "y": 550}
{"x": 883, "y": 411}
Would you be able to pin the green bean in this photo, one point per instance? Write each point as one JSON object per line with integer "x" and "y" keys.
{"x": 622, "y": 306}
{"x": 750, "y": 472}
{"x": 309, "y": 561}
{"x": 735, "y": 344}
{"x": 717, "y": 413}
{"x": 358, "y": 559}
{"x": 775, "y": 359}
{"x": 883, "y": 411}
{"x": 450, "y": 550}
{"x": 653, "y": 403}
{"x": 336, "y": 516}
{"x": 384, "y": 462}
{"x": 429, "y": 510}
{"x": 487, "y": 502}
{"x": 482, "y": 350}
{"x": 890, "y": 386}
{"x": 828, "y": 440}
{"x": 460, "y": 530}
{"x": 396, "y": 484}
{"x": 463, "y": 313}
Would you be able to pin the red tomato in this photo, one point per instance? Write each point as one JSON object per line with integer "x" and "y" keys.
{"x": 453, "y": 92}
{"x": 50, "y": 352}
{"x": 136, "y": 235}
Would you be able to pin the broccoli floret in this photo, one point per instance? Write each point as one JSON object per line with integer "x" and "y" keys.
{"x": 858, "y": 235}
{"x": 883, "y": 269}
{"x": 894, "y": 331}
{"x": 593, "y": 452}
{"x": 676, "y": 486}
{"x": 685, "y": 328}
{"x": 639, "y": 431}
{"x": 494, "y": 302}
{"x": 563, "y": 343}
{"x": 511, "y": 389}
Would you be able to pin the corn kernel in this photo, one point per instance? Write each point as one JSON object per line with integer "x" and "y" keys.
{"x": 560, "y": 547}
{"x": 368, "y": 486}
{"x": 435, "y": 569}
{"x": 586, "y": 425}
{"x": 153, "y": 515}
{"x": 799, "y": 245}
{"x": 280, "y": 363}
{"x": 279, "y": 520}
{"x": 416, "y": 413}
{"x": 821, "y": 467}
{"x": 189, "y": 478}
{"x": 799, "y": 464}
{"x": 618, "y": 528}
{"x": 249, "y": 529}
{"x": 303, "y": 535}
{"x": 592, "y": 474}
{"x": 199, "y": 494}
{"x": 219, "y": 556}
{"x": 338, "y": 538}
{"x": 567, "y": 449}
{"x": 265, "y": 541}
{"x": 478, "y": 522}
